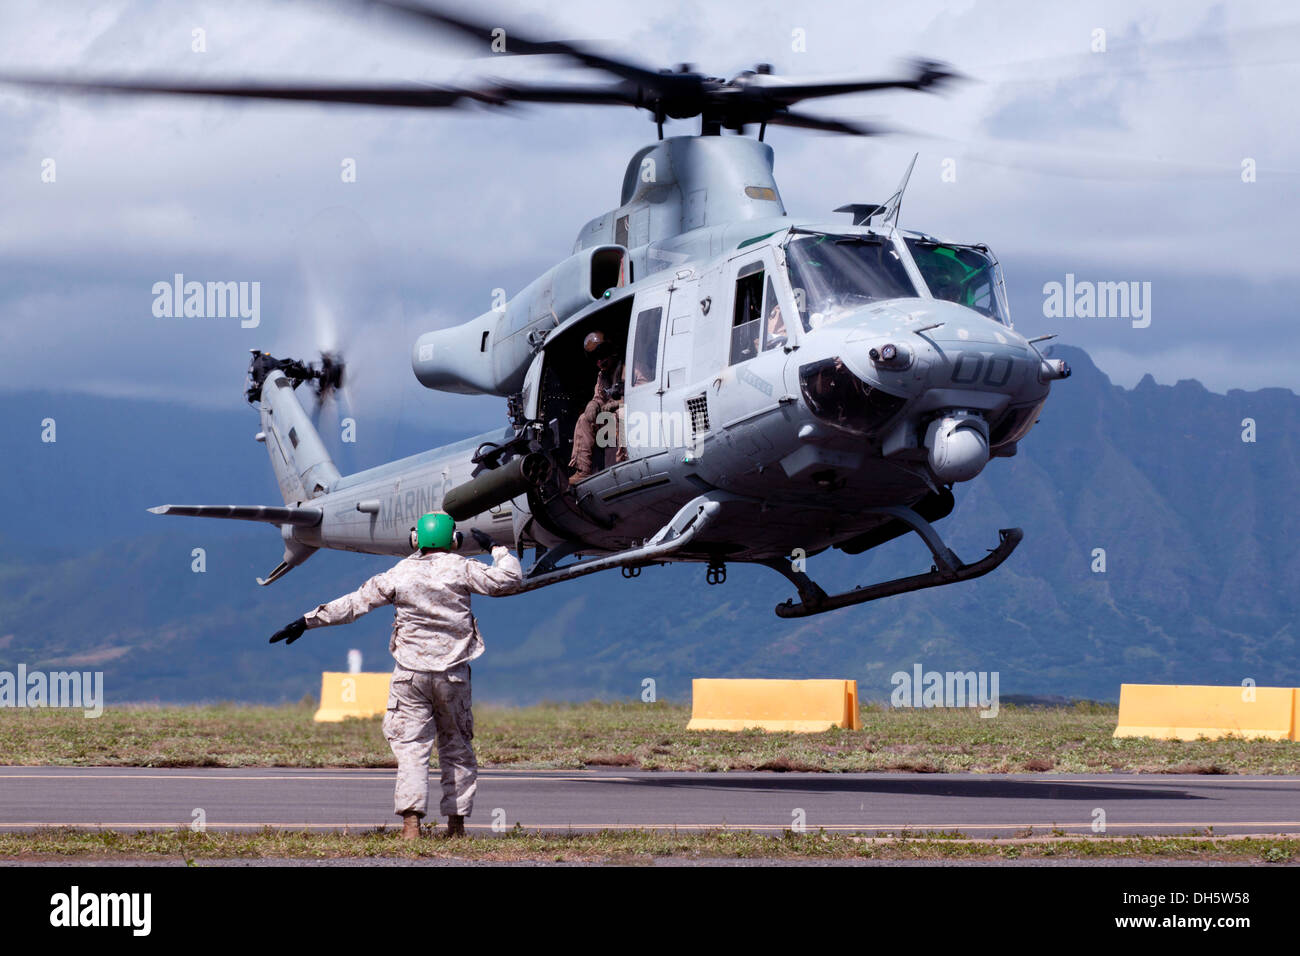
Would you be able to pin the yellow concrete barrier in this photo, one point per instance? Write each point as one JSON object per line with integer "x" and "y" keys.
{"x": 804, "y": 706}
{"x": 351, "y": 695}
{"x": 1188, "y": 712}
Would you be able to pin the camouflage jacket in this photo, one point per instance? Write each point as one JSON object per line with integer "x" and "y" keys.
{"x": 605, "y": 382}
{"x": 433, "y": 629}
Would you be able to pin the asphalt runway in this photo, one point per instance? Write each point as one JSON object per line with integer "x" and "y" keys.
{"x": 588, "y": 800}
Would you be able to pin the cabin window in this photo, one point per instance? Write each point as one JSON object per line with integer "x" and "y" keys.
{"x": 645, "y": 346}
{"x": 747, "y": 314}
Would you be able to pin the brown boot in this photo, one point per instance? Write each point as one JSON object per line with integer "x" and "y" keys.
{"x": 578, "y": 477}
{"x": 410, "y": 825}
{"x": 455, "y": 825}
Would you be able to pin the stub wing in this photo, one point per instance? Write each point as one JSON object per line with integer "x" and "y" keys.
{"x": 301, "y": 517}
{"x": 295, "y": 552}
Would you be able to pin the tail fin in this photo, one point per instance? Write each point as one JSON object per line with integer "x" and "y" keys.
{"x": 302, "y": 466}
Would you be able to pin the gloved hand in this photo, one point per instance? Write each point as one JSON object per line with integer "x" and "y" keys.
{"x": 481, "y": 539}
{"x": 291, "y": 632}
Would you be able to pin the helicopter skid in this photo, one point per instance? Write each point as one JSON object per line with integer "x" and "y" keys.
{"x": 815, "y": 601}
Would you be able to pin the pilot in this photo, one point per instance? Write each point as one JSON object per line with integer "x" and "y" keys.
{"x": 946, "y": 287}
{"x": 607, "y": 398}
{"x": 775, "y": 327}
{"x": 435, "y": 636}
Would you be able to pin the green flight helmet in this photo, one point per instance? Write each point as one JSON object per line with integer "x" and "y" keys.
{"x": 437, "y": 530}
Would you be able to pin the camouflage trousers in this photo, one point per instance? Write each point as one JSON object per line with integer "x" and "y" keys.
{"x": 424, "y": 707}
{"x": 585, "y": 435}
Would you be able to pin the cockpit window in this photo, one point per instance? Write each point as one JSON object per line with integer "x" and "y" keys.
{"x": 774, "y": 333}
{"x": 967, "y": 275}
{"x": 834, "y": 274}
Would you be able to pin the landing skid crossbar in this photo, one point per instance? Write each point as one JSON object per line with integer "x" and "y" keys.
{"x": 947, "y": 569}
{"x": 685, "y": 526}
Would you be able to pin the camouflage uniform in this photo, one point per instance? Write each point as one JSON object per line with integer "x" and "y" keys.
{"x": 435, "y": 636}
{"x": 424, "y": 706}
{"x": 584, "y": 433}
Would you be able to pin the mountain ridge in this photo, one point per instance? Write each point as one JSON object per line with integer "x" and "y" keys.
{"x": 1202, "y": 581}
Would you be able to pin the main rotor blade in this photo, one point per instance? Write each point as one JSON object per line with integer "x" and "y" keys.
{"x": 929, "y": 74}
{"x": 826, "y": 124}
{"x": 520, "y": 43}
{"x": 619, "y": 94}
{"x": 420, "y": 97}
{"x": 669, "y": 95}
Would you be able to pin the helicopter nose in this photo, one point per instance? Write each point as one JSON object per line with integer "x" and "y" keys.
{"x": 966, "y": 327}
{"x": 960, "y": 371}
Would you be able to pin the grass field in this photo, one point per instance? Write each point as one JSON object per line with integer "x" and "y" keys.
{"x": 646, "y": 736}
{"x": 630, "y": 847}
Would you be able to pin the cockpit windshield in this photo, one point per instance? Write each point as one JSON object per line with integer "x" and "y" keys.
{"x": 834, "y": 274}
{"x": 967, "y": 275}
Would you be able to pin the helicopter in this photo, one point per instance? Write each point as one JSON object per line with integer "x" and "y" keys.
{"x": 785, "y": 385}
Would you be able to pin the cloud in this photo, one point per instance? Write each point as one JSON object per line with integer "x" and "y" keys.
{"x": 1123, "y": 165}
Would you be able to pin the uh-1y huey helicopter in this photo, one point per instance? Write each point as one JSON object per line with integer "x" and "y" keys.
{"x": 791, "y": 384}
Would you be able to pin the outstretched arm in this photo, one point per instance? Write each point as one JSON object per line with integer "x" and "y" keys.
{"x": 376, "y": 592}
{"x": 502, "y": 577}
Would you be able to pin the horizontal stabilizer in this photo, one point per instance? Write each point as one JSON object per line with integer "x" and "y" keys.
{"x": 302, "y": 517}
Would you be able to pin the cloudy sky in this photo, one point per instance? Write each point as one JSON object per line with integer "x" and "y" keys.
{"x": 1122, "y": 165}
